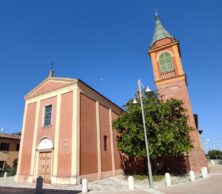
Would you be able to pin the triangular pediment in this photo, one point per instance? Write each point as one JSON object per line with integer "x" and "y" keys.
{"x": 50, "y": 84}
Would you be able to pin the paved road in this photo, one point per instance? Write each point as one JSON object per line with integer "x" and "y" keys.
{"x": 7, "y": 190}
{"x": 10, "y": 190}
{"x": 212, "y": 185}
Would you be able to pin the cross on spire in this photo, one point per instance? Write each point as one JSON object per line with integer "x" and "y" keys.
{"x": 160, "y": 32}
{"x": 156, "y": 13}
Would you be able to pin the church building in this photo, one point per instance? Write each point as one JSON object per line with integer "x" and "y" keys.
{"x": 67, "y": 133}
{"x": 171, "y": 82}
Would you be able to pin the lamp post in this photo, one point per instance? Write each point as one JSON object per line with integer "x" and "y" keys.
{"x": 150, "y": 177}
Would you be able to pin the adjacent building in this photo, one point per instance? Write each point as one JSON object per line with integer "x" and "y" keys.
{"x": 67, "y": 133}
{"x": 171, "y": 82}
{"x": 9, "y": 149}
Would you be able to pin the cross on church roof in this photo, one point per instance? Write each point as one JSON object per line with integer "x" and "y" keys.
{"x": 51, "y": 73}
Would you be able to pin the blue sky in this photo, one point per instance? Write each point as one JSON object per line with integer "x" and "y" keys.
{"x": 105, "y": 44}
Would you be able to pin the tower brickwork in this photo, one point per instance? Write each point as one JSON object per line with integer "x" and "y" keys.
{"x": 170, "y": 80}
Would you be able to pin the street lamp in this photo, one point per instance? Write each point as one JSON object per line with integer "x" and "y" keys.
{"x": 147, "y": 89}
{"x": 135, "y": 101}
{"x": 150, "y": 177}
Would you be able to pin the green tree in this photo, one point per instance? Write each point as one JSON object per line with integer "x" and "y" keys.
{"x": 166, "y": 123}
{"x": 214, "y": 154}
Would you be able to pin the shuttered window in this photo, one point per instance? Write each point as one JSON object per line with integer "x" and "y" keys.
{"x": 166, "y": 63}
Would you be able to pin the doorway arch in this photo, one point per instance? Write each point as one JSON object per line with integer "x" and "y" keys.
{"x": 45, "y": 148}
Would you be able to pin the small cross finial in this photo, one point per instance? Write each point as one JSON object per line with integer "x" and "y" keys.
{"x": 156, "y": 13}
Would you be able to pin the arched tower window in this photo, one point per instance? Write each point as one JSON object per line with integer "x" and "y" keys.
{"x": 166, "y": 62}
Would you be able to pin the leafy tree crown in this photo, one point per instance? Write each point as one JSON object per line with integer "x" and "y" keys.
{"x": 166, "y": 124}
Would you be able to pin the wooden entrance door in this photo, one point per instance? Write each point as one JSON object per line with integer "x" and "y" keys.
{"x": 45, "y": 166}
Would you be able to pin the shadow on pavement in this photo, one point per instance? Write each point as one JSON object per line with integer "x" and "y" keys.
{"x": 10, "y": 190}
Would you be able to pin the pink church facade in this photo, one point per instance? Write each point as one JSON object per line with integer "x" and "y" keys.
{"x": 67, "y": 134}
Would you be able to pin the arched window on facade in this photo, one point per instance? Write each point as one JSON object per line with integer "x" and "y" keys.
{"x": 166, "y": 62}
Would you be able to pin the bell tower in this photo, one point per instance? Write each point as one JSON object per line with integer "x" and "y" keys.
{"x": 171, "y": 82}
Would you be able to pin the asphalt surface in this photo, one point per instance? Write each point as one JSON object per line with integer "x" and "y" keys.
{"x": 10, "y": 190}
{"x": 7, "y": 190}
{"x": 211, "y": 185}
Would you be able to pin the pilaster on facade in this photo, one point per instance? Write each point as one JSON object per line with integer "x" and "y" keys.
{"x": 34, "y": 143}
{"x": 112, "y": 142}
{"x": 56, "y": 140}
{"x": 22, "y": 141}
{"x": 75, "y": 157}
{"x": 98, "y": 141}
{"x": 177, "y": 59}
{"x": 155, "y": 67}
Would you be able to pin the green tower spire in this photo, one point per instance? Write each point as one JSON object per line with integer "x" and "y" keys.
{"x": 160, "y": 31}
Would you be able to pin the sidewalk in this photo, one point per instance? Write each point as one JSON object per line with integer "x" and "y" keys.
{"x": 213, "y": 184}
{"x": 119, "y": 184}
